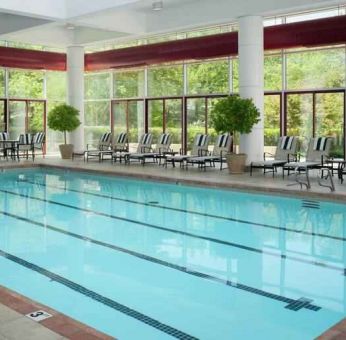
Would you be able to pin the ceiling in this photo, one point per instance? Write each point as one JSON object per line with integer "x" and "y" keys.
{"x": 47, "y": 22}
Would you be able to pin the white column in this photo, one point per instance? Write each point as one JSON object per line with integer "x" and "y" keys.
{"x": 251, "y": 79}
{"x": 75, "y": 91}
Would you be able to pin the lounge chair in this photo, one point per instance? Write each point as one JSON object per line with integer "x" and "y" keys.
{"x": 3, "y": 145}
{"x": 144, "y": 147}
{"x": 38, "y": 141}
{"x": 104, "y": 144}
{"x": 285, "y": 152}
{"x": 24, "y": 146}
{"x": 199, "y": 149}
{"x": 161, "y": 149}
{"x": 222, "y": 147}
{"x": 316, "y": 156}
{"x": 121, "y": 145}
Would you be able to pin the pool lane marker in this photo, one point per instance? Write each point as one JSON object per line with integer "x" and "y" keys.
{"x": 167, "y": 264}
{"x": 184, "y": 233}
{"x": 230, "y": 219}
{"x": 99, "y": 298}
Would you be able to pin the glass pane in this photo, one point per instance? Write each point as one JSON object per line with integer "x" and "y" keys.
{"x": 129, "y": 84}
{"x": 97, "y": 85}
{"x": 136, "y": 123}
{"x": 155, "y": 118}
{"x": 316, "y": 69}
{"x": 54, "y": 138}
{"x": 212, "y": 133}
{"x": 235, "y": 74}
{"x": 119, "y": 117}
{"x": 271, "y": 122}
{"x": 272, "y": 73}
{"x": 330, "y": 120}
{"x": 35, "y": 117}
{"x": 56, "y": 85}
{"x": 96, "y": 120}
{"x": 26, "y": 84}
{"x": 208, "y": 77}
{"x": 196, "y": 112}
{"x": 173, "y": 122}
{"x": 299, "y": 117}
{"x": 17, "y": 111}
{"x": 165, "y": 81}
{"x": 2, "y": 116}
{"x": 2, "y": 82}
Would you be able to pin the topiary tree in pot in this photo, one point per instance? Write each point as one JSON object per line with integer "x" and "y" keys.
{"x": 235, "y": 114}
{"x": 64, "y": 118}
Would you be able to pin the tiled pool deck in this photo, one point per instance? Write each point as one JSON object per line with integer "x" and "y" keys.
{"x": 13, "y": 307}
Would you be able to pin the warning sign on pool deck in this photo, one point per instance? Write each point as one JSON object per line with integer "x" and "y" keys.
{"x": 38, "y": 315}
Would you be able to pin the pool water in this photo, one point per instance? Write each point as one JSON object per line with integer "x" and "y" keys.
{"x": 139, "y": 259}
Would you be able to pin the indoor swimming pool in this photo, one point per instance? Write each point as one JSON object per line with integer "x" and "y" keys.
{"x": 148, "y": 260}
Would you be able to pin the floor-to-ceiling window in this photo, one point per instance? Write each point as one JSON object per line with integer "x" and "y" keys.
{"x": 304, "y": 93}
{"x": 97, "y": 91}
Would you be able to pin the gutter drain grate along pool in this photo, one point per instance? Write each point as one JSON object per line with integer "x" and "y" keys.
{"x": 263, "y": 225}
{"x": 100, "y": 298}
{"x": 310, "y": 204}
{"x": 172, "y": 265}
{"x": 192, "y": 235}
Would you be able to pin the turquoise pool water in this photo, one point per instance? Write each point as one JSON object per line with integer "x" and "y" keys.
{"x": 145, "y": 260}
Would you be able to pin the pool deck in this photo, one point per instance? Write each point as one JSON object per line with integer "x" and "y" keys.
{"x": 13, "y": 307}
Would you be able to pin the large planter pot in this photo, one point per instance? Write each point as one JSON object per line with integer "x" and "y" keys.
{"x": 236, "y": 163}
{"x": 66, "y": 151}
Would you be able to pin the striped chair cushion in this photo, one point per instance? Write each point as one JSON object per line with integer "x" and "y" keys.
{"x": 201, "y": 140}
{"x": 145, "y": 139}
{"x": 38, "y": 138}
{"x": 105, "y": 138}
{"x": 3, "y": 136}
{"x": 320, "y": 143}
{"x": 286, "y": 142}
{"x": 164, "y": 139}
{"x": 25, "y": 138}
{"x": 122, "y": 138}
{"x": 222, "y": 140}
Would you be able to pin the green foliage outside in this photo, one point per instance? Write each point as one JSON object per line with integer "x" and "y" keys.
{"x": 234, "y": 114}
{"x": 63, "y": 118}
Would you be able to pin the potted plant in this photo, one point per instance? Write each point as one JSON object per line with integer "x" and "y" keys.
{"x": 64, "y": 118}
{"x": 235, "y": 114}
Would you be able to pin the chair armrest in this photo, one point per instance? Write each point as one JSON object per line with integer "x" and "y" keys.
{"x": 203, "y": 152}
{"x": 146, "y": 149}
{"x": 267, "y": 153}
{"x": 292, "y": 157}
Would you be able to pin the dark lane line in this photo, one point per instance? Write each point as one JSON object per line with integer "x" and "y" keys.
{"x": 185, "y": 233}
{"x": 230, "y": 219}
{"x": 165, "y": 263}
{"x": 99, "y": 298}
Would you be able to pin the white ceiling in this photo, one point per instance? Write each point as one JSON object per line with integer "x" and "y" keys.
{"x": 45, "y": 22}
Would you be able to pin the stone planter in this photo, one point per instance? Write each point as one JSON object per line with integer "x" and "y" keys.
{"x": 236, "y": 163}
{"x": 66, "y": 151}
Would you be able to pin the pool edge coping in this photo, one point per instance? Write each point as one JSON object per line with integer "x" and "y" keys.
{"x": 328, "y": 196}
{"x": 59, "y": 323}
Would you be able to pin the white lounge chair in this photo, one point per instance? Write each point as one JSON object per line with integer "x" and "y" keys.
{"x": 104, "y": 144}
{"x": 144, "y": 146}
{"x": 316, "y": 156}
{"x": 221, "y": 148}
{"x": 199, "y": 148}
{"x": 162, "y": 147}
{"x": 285, "y": 152}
